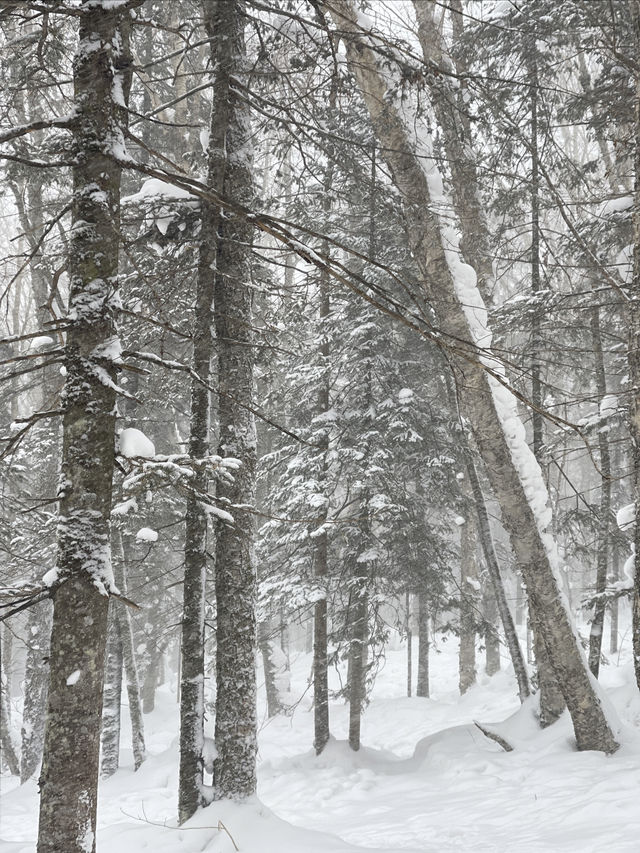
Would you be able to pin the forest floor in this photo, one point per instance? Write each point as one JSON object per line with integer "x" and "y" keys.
{"x": 426, "y": 778}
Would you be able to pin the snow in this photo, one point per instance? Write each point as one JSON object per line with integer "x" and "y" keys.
{"x": 153, "y": 188}
{"x": 74, "y": 678}
{"x": 133, "y": 442}
{"x": 41, "y": 341}
{"x": 608, "y": 405}
{"x": 425, "y": 780}
{"x": 146, "y": 534}
{"x": 626, "y": 517}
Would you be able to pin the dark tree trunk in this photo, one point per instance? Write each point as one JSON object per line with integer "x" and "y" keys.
{"x": 235, "y": 729}
{"x": 270, "y": 669}
{"x": 69, "y": 777}
{"x": 422, "y": 686}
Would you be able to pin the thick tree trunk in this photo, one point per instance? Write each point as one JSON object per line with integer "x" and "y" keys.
{"x": 484, "y": 400}
{"x": 69, "y": 777}
{"x": 422, "y": 683}
{"x": 235, "y": 729}
{"x": 634, "y": 352}
{"x": 36, "y": 681}
{"x": 112, "y": 699}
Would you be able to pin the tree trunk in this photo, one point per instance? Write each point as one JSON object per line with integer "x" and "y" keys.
{"x": 127, "y": 646}
{"x": 69, "y": 777}
{"x": 358, "y": 625}
{"x": 634, "y": 353}
{"x": 36, "y": 682}
{"x": 422, "y": 685}
{"x": 484, "y": 400}
{"x": 111, "y": 704}
{"x": 498, "y": 598}
{"x": 468, "y": 605}
{"x": 7, "y": 750}
{"x": 604, "y": 512}
{"x": 150, "y": 682}
{"x": 265, "y": 644}
{"x": 235, "y": 729}
{"x": 407, "y": 607}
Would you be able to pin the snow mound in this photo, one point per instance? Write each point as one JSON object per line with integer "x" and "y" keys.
{"x": 133, "y": 442}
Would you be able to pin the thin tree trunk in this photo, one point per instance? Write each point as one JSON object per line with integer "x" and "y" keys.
{"x": 36, "y": 685}
{"x": 491, "y": 637}
{"x": 265, "y": 644}
{"x": 484, "y": 400}
{"x": 422, "y": 686}
{"x": 468, "y": 605}
{"x": 499, "y": 596}
{"x": 69, "y": 777}
{"x": 409, "y": 643}
{"x": 127, "y": 645}
{"x": 235, "y": 729}
{"x": 604, "y": 512}
{"x": 7, "y": 750}
{"x": 112, "y": 699}
{"x": 150, "y": 682}
{"x": 613, "y": 605}
{"x": 359, "y": 624}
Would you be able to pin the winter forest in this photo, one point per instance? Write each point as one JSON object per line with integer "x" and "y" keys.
{"x": 320, "y": 439}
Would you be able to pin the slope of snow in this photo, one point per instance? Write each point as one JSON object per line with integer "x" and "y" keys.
{"x": 426, "y": 778}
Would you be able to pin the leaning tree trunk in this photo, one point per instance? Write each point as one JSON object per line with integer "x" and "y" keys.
{"x": 83, "y": 580}
{"x": 491, "y": 637}
{"x": 235, "y": 583}
{"x": 484, "y": 399}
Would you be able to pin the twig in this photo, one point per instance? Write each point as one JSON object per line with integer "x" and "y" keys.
{"x": 493, "y": 736}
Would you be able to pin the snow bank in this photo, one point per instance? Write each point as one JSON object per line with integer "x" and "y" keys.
{"x": 133, "y": 442}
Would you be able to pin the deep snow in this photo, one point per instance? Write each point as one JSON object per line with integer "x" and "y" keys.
{"x": 426, "y": 779}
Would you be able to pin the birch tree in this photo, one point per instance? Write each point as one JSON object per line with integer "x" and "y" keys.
{"x": 483, "y": 392}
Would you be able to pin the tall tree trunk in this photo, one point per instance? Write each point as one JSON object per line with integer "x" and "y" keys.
{"x": 422, "y": 685}
{"x": 36, "y": 685}
{"x": 634, "y": 352}
{"x": 7, "y": 750}
{"x": 69, "y": 777}
{"x": 491, "y": 637}
{"x": 235, "y": 729}
{"x": 484, "y": 400}
{"x": 112, "y": 699}
{"x": 151, "y": 680}
{"x": 358, "y": 630}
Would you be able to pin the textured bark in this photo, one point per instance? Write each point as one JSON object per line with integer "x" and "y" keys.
{"x": 475, "y": 391}
{"x": 7, "y": 750}
{"x": 604, "y": 512}
{"x": 634, "y": 352}
{"x": 36, "y": 682}
{"x": 112, "y": 699}
{"x": 613, "y": 605}
{"x": 69, "y": 777}
{"x": 359, "y": 629}
{"x": 151, "y": 680}
{"x": 468, "y": 604}
{"x": 235, "y": 729}
{"x": 422, "y": 685}
{"x": 125, "y": 632}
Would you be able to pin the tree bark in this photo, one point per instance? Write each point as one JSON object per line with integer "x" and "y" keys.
{"x": 235, "y": 729}
{"x": 483, "y": 399}
{"x": 265, "y": 644}
{"x": 7, "y": 749}
{"x": 36, "y": 684}
{"x": 69, "y": 776}
{"x": 634, "y": 352}
{"x": 422, "y": 685}
{"x": 468, "y": 605}
{"x": 112, "y": 699}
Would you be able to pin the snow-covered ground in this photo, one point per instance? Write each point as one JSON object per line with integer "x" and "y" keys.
{"x": 425, "y": 780}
